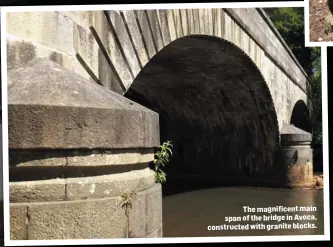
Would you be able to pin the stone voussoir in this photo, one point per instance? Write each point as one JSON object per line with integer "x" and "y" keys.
{"x": 52, "y": 107}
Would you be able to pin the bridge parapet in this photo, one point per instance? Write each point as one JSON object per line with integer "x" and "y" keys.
{"x": 269, "y": 39}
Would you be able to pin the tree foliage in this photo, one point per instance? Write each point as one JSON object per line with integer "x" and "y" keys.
{"x": 316, "y": 96}
{"x": 290, "y": 24}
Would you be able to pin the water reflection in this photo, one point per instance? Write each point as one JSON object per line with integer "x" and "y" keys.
{"x": 188, "y": 214}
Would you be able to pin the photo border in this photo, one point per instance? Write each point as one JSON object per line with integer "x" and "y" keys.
{"x": 9, "y": 242}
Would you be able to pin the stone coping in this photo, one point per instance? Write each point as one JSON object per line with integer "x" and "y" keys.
{"x": 292, "y": 134}
{"x": 52, "y": 107}
{"x": 82, "y": 187}
{"x": 85, "y": 158}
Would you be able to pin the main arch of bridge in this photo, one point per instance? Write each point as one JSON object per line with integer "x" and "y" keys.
{"x": 214, "y": 105}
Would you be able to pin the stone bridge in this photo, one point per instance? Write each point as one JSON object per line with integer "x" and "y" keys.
{"x": 91, "y": 94}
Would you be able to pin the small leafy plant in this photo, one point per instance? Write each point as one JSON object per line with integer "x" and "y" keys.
{"x": 127, "y": 199}
{"x": 161, "y": 159}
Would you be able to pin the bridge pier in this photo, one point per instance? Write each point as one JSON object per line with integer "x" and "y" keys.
{"x": 295, "y": 158}
{"x": 74, "y": 148}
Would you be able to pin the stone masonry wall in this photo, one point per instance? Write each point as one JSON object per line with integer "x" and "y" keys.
{"x": 112, "y": 47}
{"x": 74, "y": 149}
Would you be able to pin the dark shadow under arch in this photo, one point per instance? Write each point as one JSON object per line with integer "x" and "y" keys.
{"x": 216, "y": 108}
{"x": 300, "y": 116}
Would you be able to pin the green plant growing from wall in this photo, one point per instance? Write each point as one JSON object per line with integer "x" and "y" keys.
{"x": 161, "y": 159}
{"x": 127, "y": 204}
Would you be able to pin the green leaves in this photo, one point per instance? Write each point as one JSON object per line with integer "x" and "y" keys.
{"x": 160, "y": 176}
{"x": 162, "y": 158}
{"x": 290, "y": 24}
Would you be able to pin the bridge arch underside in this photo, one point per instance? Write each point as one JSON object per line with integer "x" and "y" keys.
{"x": 214, "y": 106}
{"x": 300, "y": 116}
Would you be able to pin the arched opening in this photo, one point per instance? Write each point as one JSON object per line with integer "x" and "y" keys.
{"x": 214, "y": 106}
{"x": 300, "y": 116}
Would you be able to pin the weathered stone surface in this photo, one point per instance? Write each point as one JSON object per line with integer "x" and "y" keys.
{"x": 295, "y": 158}
{"x": 84, "y": 219}
{"x": 52, "y": 107}
{"x": 83, "y": 18}
{"x": 119, "y": 28}
{"x": 79, "y": 158}
{"x": 201, "y": 20}
{"x": 154, "y": 207}
{"x": 178, "y": 23}
{"x": 18, "y": 221}
{"x": 82, "y": 187}
{"x": 121, "y": 74}
{"x": 266, "y": 47}
{"x": 134, "y": 30}
{"x": 146, "y": 213}
{"x": 48, "y": 27}
{"x": 87, "y": 48}
{"x": 292, "y": 134}
{"x": 155, "y": 29}
{"x": 146, "y": 34}
{"x": 110, "y": 158}
{"x": 171, "y": 24}
{"x": 20, "y": 52}
{"x": 184, "y": 21}
{"x": 38, "y": 159}
{"x": 210, "y": 21}
{"x": 43, "y": 190}
{"x": 158, "y": 233}
{"x": 96, "y": 218}
{"x": 163, "y": 21}
{"x": 196, "y": 22}
{"x": 109, "y": 185}
{"x": 190, "y": 19}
